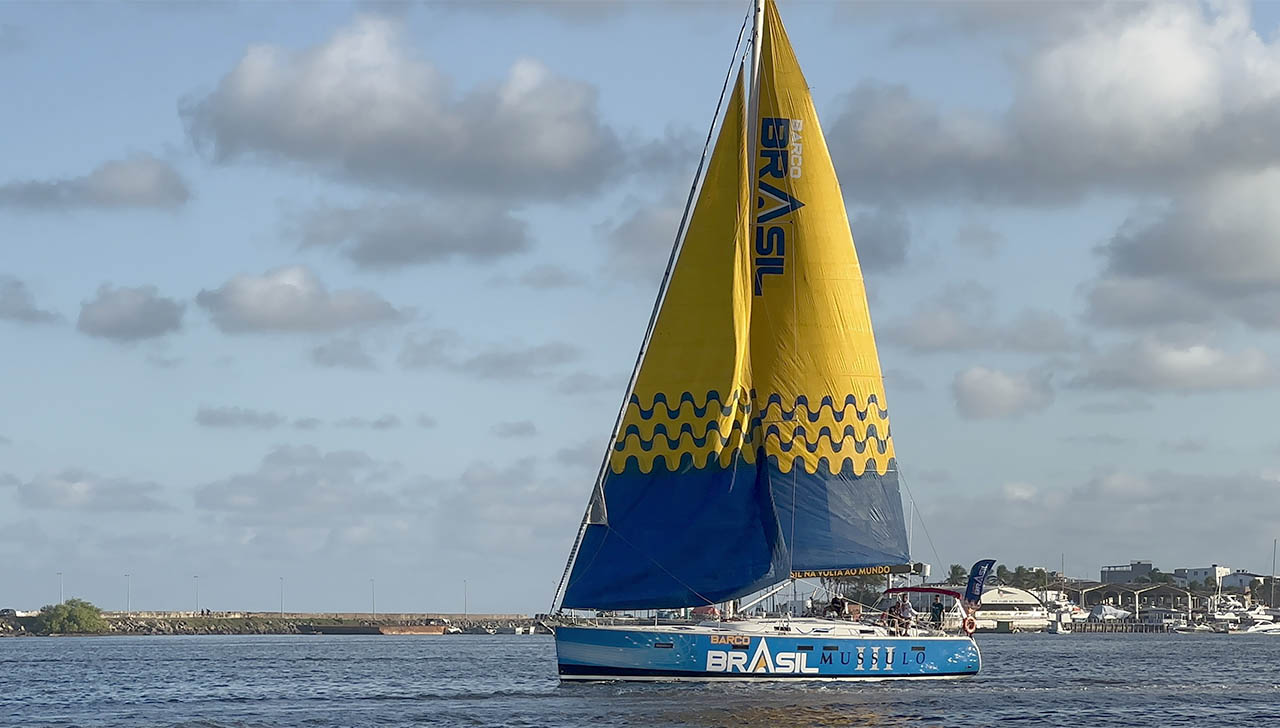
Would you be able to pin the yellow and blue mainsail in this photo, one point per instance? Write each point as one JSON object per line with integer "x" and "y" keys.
{"x": 755, "y": 442}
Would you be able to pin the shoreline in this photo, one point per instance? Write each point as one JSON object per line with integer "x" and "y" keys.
{"x": 142, "y": 624}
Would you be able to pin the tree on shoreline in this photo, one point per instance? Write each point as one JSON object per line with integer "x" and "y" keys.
{"x": 74, "y": 616}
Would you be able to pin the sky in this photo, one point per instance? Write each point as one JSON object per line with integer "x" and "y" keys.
{"x": 348, "y": 294}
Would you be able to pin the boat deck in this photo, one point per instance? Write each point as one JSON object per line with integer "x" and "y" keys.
{"x": 798, "y": 627}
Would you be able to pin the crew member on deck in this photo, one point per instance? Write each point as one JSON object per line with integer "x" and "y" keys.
{"x": 836, "y": 609}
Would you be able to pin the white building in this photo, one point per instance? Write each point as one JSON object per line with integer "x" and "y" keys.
{"x": 1241, "y": 579}
{"x": 1208, "y": 576}
{"x": 1019, "y": 607}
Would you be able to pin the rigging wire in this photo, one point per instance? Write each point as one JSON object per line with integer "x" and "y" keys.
{"x": 918, "y": 514}
{"x": 598, "y": 489}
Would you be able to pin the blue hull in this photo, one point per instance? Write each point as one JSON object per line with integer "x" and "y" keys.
{"x": 630, "y": 653}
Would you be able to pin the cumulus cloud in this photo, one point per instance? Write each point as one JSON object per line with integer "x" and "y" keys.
{"x": 1128, "y": 302}
{"x": 583, "y": 382}
{"x": 394, "y": 235}
{"x": 292, "y": 299}
{"x": 1117, "y": 512}
{"x": 343, "y": 353}
{"x": 963, "y": 318}
{"x": 80, "y": 490}
{"x": 882, "y": 236}
{"x": 980, "y": 239}
{"x": 1214, "y": 252}
{"x": 139, "y": 181}
{"x": 570, "y": 11}
{"x": 1135, "y": 99}
{"x": 1123, "y": 405}
{"x": 302, "y": 483}
{"x": 1184, "y": 446}
{"x": 1040, "y": 332}
{"x": 638, "y": 246}
{"x": 424, "y": 350}
{"x": 17, "y": 303}
{"x": 1152, "y": 365}
{"x": 129, "y": 314}
{"x": 505, "y": 504}
{"x": 585, "y": 454}
{"x": 362, "y": 105}
{"x": 547, "y": 277}
{"x": 237, "y": 417}
{"x": 900, "y": 380}
{"x": 519, "y": 362}
{"x": 384, "y": 422}
{"x": 441, "y": 350}
{"x": 982, "y": 393}
{"x": 1100, "y": 439}
{"x": 519, "y": 428}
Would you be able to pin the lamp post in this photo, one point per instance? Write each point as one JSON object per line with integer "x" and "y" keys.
{"x": 128, "y": 594}
{"x": 197, "y": 581}
{"x": 61, "y": 598}
{"x": 1273, "y": 573}
{"x": 282, "y": 597}
{"x": 373, "y": 601}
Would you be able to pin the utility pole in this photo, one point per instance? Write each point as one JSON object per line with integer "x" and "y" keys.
{"x": 61, "y": 598}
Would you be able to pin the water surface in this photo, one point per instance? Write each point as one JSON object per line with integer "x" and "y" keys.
{"x": 323, "y": 681}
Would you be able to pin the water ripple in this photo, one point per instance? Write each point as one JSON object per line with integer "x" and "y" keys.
{"x": 323, "y": 682}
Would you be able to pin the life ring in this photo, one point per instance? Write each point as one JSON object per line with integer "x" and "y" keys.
{"x": 970, "y": 625}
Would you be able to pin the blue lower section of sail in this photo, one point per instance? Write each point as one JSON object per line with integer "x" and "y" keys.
{"x": 841, "y": 520}
{"x": 675, "y": 539}
{"x": 706, "y": 535}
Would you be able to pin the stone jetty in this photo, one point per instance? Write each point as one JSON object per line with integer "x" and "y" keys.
{"x": 249, "y": 623}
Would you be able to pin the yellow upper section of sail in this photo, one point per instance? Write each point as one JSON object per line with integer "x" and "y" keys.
{"x": 699, "y": 342}
{"x": 764, "y": 337}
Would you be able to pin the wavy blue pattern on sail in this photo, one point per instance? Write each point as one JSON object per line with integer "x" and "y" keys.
{"x": 786, "y": 441}
{"x": 738, "y": 399}
{"x": 660, "y": 430}
{"x": 828, "y": 402}
{"x": 735, "y": 400}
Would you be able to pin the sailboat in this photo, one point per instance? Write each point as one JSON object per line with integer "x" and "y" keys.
{"x": 753, "y": 445}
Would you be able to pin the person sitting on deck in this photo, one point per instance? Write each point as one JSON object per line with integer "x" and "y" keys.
{"x": 836, "y": 609}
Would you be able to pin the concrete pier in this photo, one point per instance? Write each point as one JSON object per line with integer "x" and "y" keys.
{"x": 1118, "y": 627}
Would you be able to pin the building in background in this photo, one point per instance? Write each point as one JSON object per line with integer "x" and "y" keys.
{"x": 1241, "y": 579}
{"x": 1126, "y": 574}
{"x": 1208, "y": 576}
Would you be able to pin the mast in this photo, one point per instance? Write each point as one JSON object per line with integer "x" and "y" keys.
{"x": 1273, "y": 573}
{"x": 753, "y": 88}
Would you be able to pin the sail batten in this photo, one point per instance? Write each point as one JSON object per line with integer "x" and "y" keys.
{"x": 755, "y": 441}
